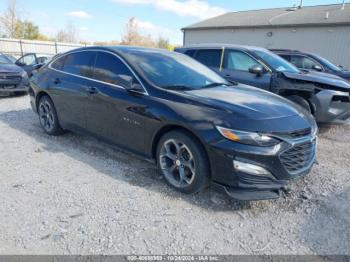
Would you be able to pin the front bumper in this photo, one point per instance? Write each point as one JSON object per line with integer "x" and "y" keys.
{"x": 331, "y": 106}
{"x": 279, "y": 160}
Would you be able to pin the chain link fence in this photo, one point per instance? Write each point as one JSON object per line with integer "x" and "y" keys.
{"x": 19, "y": 47}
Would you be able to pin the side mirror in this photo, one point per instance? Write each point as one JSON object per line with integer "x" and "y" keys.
{"x": 38, "y": 66}
{"x": 257, "y": 70}
{"x": 128, "y": 83}
{"x": 317, "y": 68}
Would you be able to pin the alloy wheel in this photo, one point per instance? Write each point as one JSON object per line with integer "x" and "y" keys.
{"x": 177, "y": 163}
{"x": 46, "y": 116}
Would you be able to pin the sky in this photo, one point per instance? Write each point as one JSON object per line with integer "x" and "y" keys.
{"x": 104, "y": 20}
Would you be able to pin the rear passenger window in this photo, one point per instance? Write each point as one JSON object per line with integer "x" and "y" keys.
{"x": 190, "y": 52}
{"x": 110, "y": 69}
{"x": 285, "y": 57}
{"x": 211, "y": 58}
{"x": 79, "y": 63}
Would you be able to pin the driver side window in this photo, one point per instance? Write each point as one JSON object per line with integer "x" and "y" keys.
{"x": 110, "y": 69}
{"x": 237, "y": 60}
{"x": 303, "y": 62}
{"x": 27, "y": 60}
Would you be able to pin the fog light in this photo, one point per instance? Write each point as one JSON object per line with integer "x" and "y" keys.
{"x": 251, "y": 169}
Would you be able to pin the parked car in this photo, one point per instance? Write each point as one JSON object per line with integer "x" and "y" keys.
{"x": 324, "y": 95}
{"x": 13, "y": 79}
{"x": 310, "y": 61}
{"x": 31, "y": 62}
{"x": 167, "y": 107}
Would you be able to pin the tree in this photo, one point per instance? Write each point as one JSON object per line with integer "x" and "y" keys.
{"x": 69, "y": 34}
{"x": 132, "y": 35}
{"x": 26, "y": 30}
{"x": 163, "y": 43}
{"x": 10, "y": 19}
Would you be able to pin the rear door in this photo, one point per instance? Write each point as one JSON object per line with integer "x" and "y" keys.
{"x": 69, "y": 87}
{"x": 210, "y": 57}
{"x": 236, "y": 68}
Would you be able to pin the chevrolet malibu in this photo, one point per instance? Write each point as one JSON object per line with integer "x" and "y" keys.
{"x": 166, "y": 107}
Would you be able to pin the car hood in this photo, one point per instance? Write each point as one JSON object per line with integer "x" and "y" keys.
{"x": 245, "y": 102}
{"x": 344, "y": 74}
{"x": 332, "y": 81}
{"x": 10, "y": 68}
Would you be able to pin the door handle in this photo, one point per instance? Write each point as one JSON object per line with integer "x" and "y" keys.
{"x": 57, "y": 81}
{"x": 92, "y": 90}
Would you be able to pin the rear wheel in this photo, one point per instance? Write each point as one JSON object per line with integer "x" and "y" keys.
{"x": 301, "y": 102}
{"x": 48, "y": 117}
{"x": 182, "y": 162}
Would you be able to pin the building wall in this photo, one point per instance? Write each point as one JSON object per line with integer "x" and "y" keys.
{"x": 330, "y": 42}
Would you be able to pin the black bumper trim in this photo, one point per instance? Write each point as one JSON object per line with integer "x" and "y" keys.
{"x": 247, "y": 194}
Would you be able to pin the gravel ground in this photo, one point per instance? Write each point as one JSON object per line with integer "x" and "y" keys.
{"x": 75, "y": 195}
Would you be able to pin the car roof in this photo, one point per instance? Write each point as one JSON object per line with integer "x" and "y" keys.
{"x": 290, "y": 51}
{"x": 122, "y": 49}
{"x": 211, "y": 46}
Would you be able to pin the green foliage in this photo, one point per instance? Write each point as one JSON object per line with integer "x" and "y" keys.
{"x": 27, "y": 30}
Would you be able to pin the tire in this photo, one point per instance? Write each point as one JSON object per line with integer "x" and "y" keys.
{"x": 48, "y": 117}
{"x": 183, "y": 162}
{"x": 301, "y": 102}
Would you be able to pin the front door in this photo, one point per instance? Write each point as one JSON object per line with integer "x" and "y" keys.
{"x": 112, "y": 112}
{"x": 236, "y": 68}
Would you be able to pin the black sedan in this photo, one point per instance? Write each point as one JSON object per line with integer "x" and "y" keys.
{"x": 167, "y": 107}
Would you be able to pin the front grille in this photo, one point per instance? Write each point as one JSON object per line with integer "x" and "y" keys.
{"x": 300, "y": 133}
{"x": 298, "y": 157}
{"x": 7, "y": 79}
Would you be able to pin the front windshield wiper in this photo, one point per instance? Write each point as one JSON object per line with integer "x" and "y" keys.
{"x": 178, "y": 87}
{"x": 219, "y": 84}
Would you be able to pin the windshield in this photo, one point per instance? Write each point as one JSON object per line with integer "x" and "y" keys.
{"x": 276, "y": 62}
{"x": 329, "y": 64}
{"x": 171, "y": 70}
{"x": 4, "y": 59}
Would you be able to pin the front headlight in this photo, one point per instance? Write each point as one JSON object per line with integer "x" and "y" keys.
{"x": 24, "y": 74}
{"x": 248, "y": 138}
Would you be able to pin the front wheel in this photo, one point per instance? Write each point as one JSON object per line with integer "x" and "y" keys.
{"x": 183, "y": 162}
{"x": 48, "y": 117}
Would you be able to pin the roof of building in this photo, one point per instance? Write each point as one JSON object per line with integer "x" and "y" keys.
{"x": 280, "y": 17}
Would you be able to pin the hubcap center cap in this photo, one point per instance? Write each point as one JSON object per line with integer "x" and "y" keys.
{"x": 178, "y": 162}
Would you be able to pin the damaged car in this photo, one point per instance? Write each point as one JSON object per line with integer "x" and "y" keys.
{"x": 326, "y": 96}
{"x": 13, "y": 79}
{"x": 312, "y": 62}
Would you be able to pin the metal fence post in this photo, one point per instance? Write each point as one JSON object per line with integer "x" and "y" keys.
{"x": 20, "y": 44}
{"x": 56, "y": 48}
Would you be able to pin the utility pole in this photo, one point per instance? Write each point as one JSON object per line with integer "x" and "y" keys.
{"x": 301, "y": 4}
{"x": 343, "y": 7}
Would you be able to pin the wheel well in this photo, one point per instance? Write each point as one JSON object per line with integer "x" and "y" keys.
{"x": 170, "y": 128}
{"x": 38, "y": 97}
{"x": 304, "y": 95}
